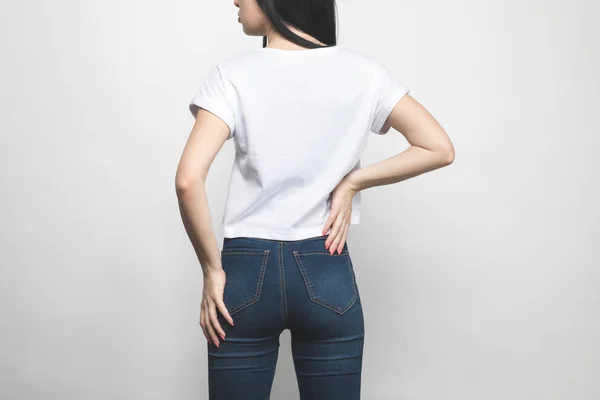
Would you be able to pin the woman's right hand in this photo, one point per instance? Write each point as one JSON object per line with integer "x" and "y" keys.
{"x": 212, "y": 301}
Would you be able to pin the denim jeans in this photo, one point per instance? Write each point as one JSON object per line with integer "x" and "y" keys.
{"x": 272, "y": 285}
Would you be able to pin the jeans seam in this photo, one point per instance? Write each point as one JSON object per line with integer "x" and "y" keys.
{"x": 282, "y": 282}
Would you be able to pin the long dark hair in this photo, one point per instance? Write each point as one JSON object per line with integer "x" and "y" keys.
{"x": 314, "y": 17}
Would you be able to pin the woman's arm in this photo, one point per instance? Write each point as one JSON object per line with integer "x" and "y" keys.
{"x": 206, "y": 139}
{"x": 430, "y": 148}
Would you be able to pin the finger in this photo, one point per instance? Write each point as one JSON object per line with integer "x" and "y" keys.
{"x": 337, "y": 227}
{"x": 223, "y": 309}
{"x": 345, "y": 238}
{"x": 215, "y": 322}
{"x": 334, "y": 236}
{"x": 332, "y": 215}
{"x": 203, "y": 323}
{"x": 342, "y": 239}
{"x": 211, "y": 331}
{"x": 334, "y": 230}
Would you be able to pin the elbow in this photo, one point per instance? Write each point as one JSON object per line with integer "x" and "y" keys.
{"x": 182, "y": 186}
{"x": 185, "y": 184}
{"x": 447, "y": 155}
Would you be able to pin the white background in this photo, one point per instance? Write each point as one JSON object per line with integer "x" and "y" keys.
{"x": 479, "y": 281}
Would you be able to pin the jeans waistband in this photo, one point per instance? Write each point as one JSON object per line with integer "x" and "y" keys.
{"x": 315, "y": 243}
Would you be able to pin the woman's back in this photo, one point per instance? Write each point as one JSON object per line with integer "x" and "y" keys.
{"x": 300, "y": 120}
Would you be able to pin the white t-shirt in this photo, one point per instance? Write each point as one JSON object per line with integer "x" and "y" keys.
{"x": 300, "y": 120}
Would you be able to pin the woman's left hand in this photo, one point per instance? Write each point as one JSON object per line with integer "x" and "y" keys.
{"x": 212, "y": 302}
{"x": 339, "y": 217}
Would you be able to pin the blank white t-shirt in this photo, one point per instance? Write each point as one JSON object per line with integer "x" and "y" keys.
{"x": 300, "y": 120}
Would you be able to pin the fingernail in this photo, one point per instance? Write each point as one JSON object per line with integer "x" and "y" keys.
{"x": 217, "y": 344}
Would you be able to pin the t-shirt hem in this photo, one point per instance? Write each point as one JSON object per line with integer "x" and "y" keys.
{"x": 295, "y": 234}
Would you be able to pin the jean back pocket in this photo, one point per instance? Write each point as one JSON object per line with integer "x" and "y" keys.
{"x": 329, "y": 278}
{"x": 244, "y": 275}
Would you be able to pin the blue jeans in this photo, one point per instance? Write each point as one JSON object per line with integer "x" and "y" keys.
{"x": 274, "y": 285}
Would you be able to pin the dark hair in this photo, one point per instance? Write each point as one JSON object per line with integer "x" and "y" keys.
{"x": 314, "y": 17}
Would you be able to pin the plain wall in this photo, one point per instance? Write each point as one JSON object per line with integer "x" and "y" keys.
{"x": 478, "y": 281}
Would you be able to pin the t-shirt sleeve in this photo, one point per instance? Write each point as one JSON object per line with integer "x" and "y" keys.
{"x": 215, "y": 95}
{"x": 388, "y": 91}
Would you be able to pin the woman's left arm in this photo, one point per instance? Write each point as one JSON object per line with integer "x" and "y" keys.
{"x": 208, "y": 135}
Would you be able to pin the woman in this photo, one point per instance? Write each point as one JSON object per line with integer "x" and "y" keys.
{"x": 300, "y": 110}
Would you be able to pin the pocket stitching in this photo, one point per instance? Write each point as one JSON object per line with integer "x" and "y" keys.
{"x": 261, "y": 276}
{"x": 310, "y": 286}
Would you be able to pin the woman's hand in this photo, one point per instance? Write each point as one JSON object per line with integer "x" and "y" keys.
{"x": 339, "y": 217}
{"x": 212, "y": 299}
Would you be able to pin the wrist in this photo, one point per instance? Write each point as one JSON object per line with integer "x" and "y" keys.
{"x": 210, "y": 270}
{"x": 353, "y": 183}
